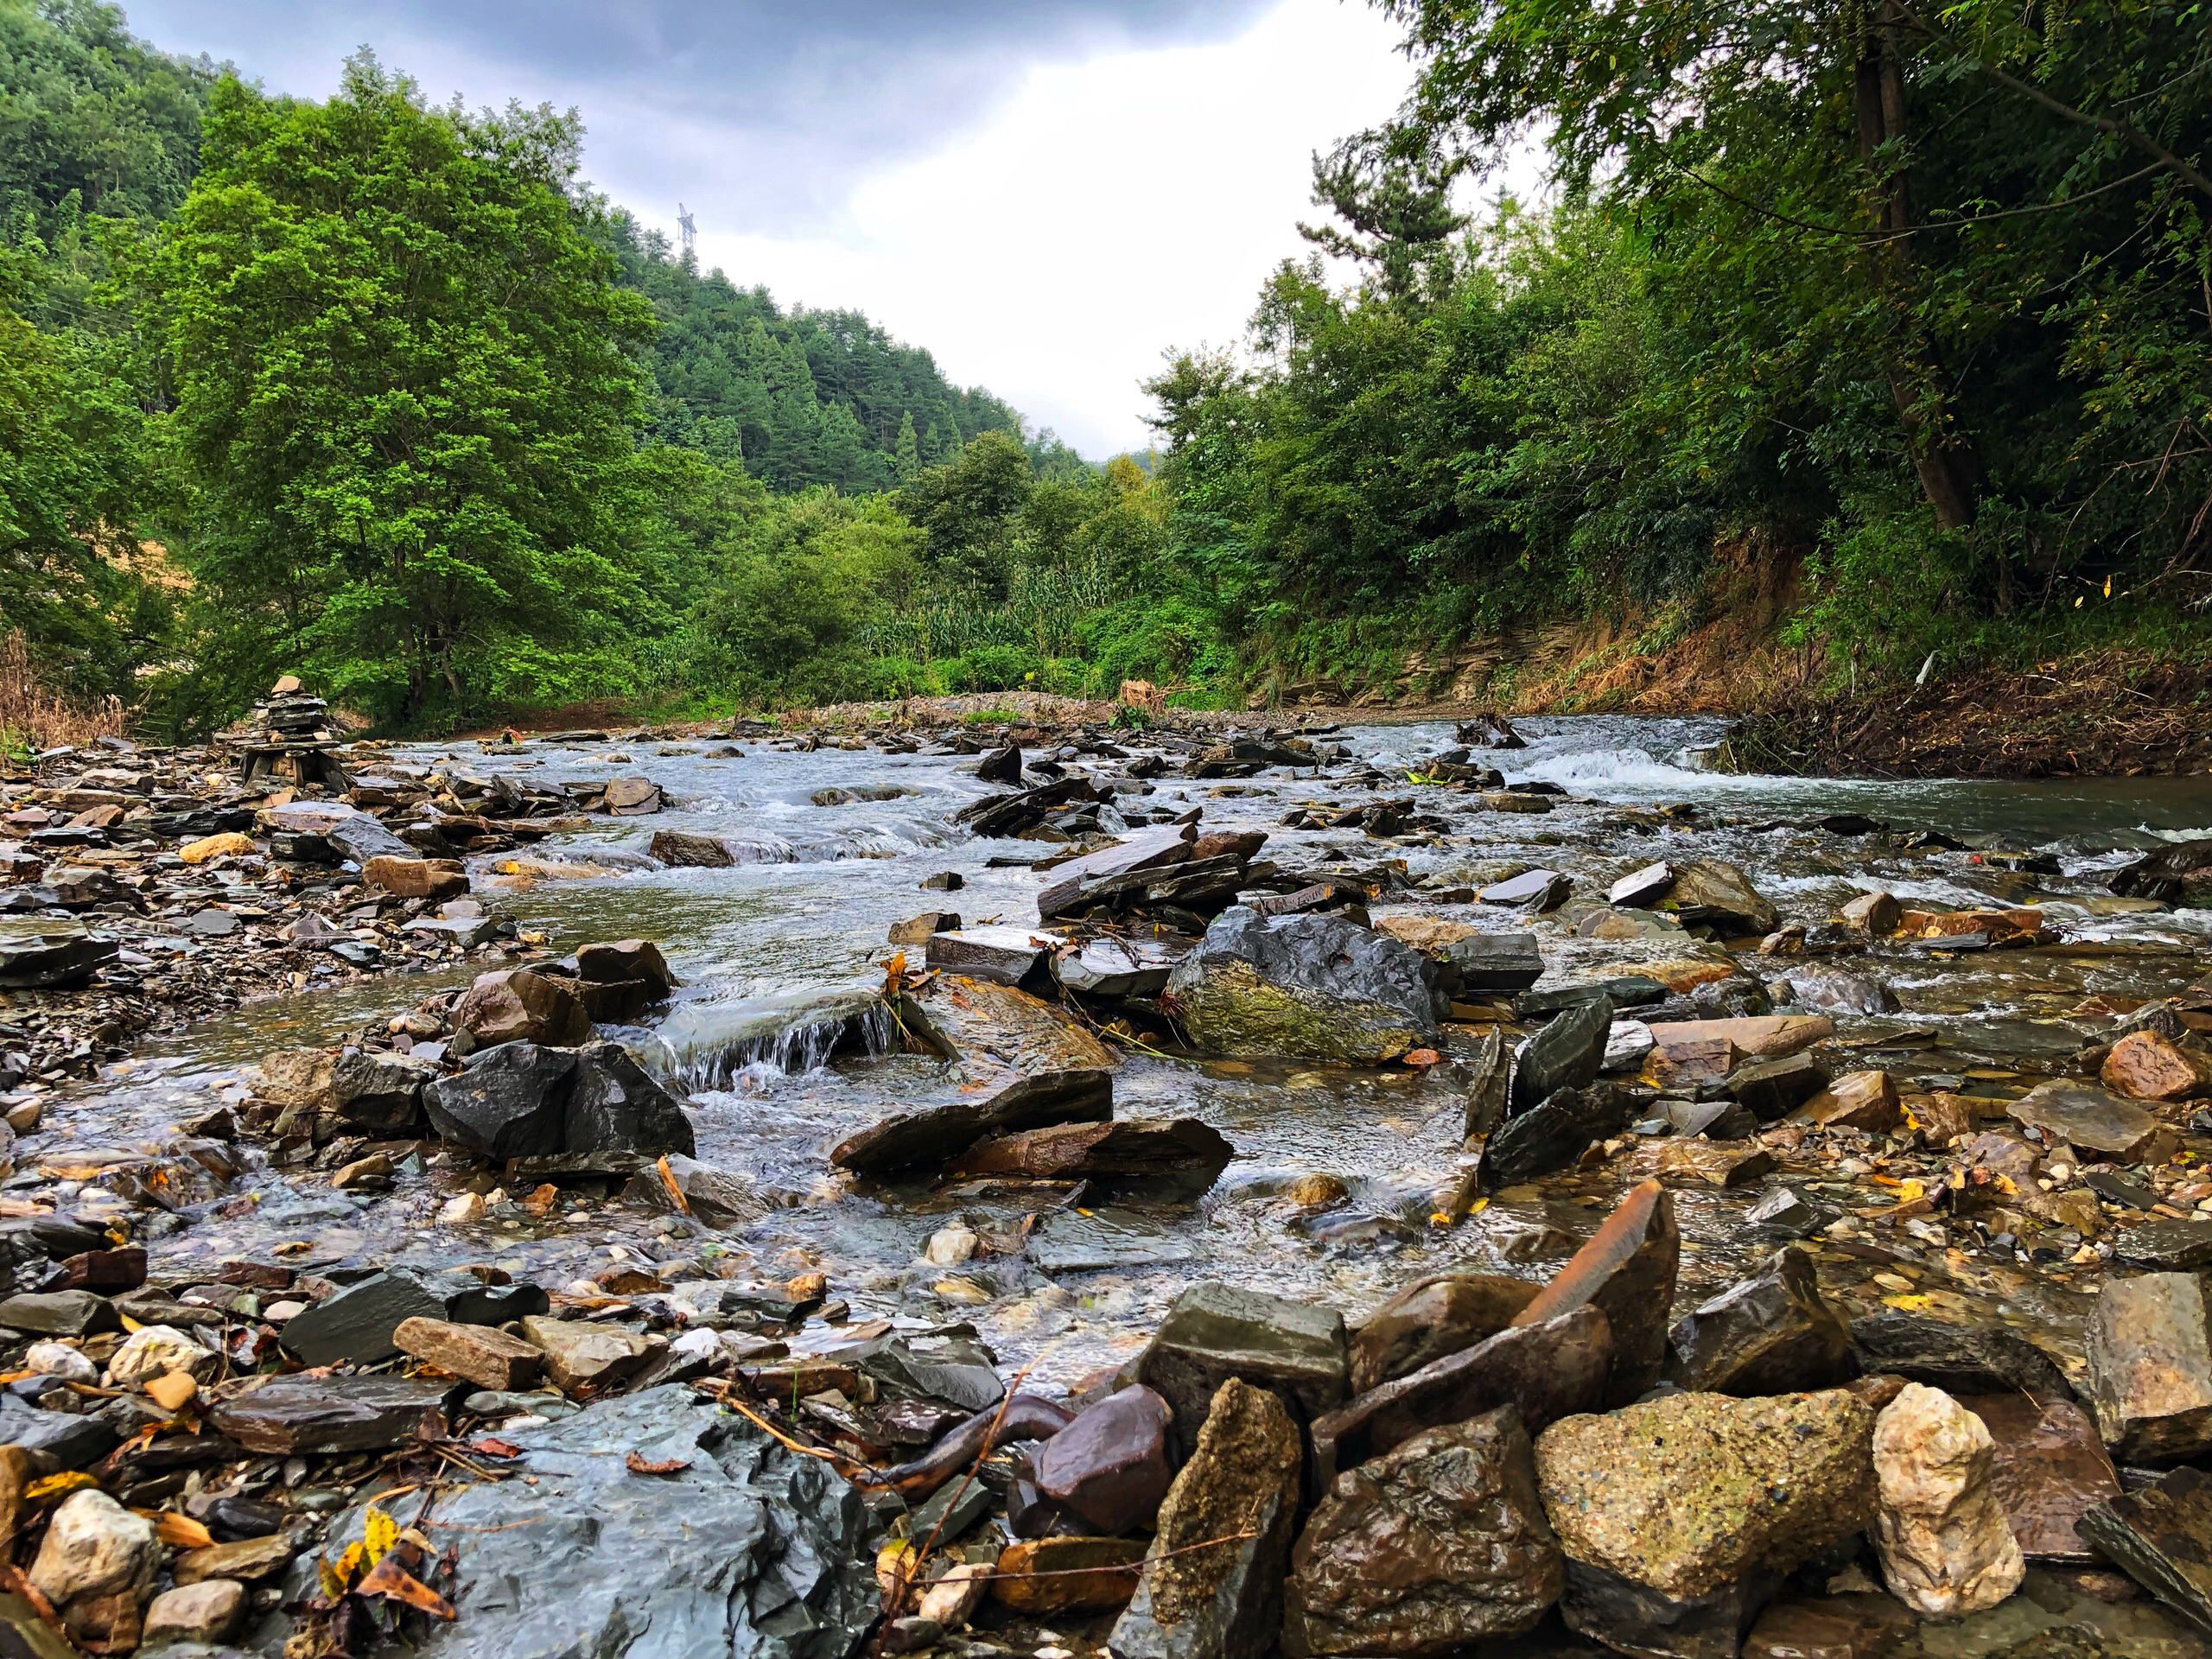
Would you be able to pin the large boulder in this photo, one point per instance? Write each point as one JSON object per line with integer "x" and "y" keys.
{"x": 1551, "y": 1136}
{"x": 1438, "y": 1543}
{"x": 1311, "y": 986}
{"x": 2151, "y": 1367}
{"x": 1110, "y": 1466}
{"x": 613, "y": 1106}
{"x": 1627, "y": 1272}
{"x": 1772, "y": 1333}
{"x": 43, "y": 952}
{"x": 1692, "y": 1492}
{"x": 1707, "y": 891}
{"x": 517, "y": 1005}
{"x": 511, "y": 1101}
{"x": 1945, "y": 1546}
{"x": 1213, "y": 1586}
{"x": 744, "y": 1551}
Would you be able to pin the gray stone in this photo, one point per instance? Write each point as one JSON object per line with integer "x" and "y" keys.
{"x": 932, "y": 1135}
{"x": 352, "y": 832}
{"x": 1538, "y": 891}
{"x": 1217, "y": 1331}
{"x": 1496, "y": 962}
{"x": 1564, "y": 1054}
{"x": 40, "y": 952}
{"x": 1641, "y": 888}
{"x": 2161, "y": 1536}
{"x": 1440, "y": 1543}
{"x": 356, "y": 1323}
{"x": 511, "y": 1101}
{"x": 1006, "y": 955}
{"x": 381, "y": 1092}
{"x": 1834, "y": 991}
{"x": 1149, "y": 849}
{"x": 1113, "y": 966}
{"x": 1635, "y": 1618}
{"x": 2167, "y": 1246}
{"x": 1771, "y": 1090}
{"x": 1720, "y": 895}
{"x": 1313, "y": 986}
{"x": 2093, "y": 1121}
{"x": 1430, "y": 1318}
{"x": 1553, "y": 1135}
{"x": 59, "y": 1313}
{"x": 330, "y": 1415}
{"x": 613, "y": 1106}
{"x": 745, "y": 1552}
{"x": 1772, "y": 1333}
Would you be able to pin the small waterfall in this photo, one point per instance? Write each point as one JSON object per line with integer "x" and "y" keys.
{"x": 710, "y": 1046}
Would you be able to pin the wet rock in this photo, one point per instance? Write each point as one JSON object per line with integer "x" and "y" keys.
{"x": 1553, "y": 1135}
{"x": 578, "y": 1354}
{"x": 746, "y": 1552}
{"x": 632, "y": 796}
{"x": 1006, "y": 955}
{"x": 357, "y": 1323}
{"x": 1945, "y": 1548}
{"x": 2161, "y": 1536}
{"x": 1830, "y": 1627}
{"x": 58, "y": 1313}
{"x": 2096, "y": 1122}
{"x": 1430, "y": 1318}
{"x": 1215, "y": 1332}
{"x": 933, "y": 1136}
{"x": 1772, "y": 1333}
{"x": 1071, "y": 888}
{"x": 1053, "y": 1575}
{"x": 484, "y": 1354}
{"x": 916, "y": 930}
{"x": 377, "y": 1091}
{"x": 1836, "y": 992}
{"x": 1129, "y": 1148}
{"x": 1643, "y": 888}
{"x": 334, "y": 1415}
{"x": 1692, "y": 1492}
{"x": 1489, "y": 1076}
{"x": 518, "y": 1005}
{"x": 2144, "y": 1065}
{"x": 1312, "y": 987}
{"x": 1496, "y": 962}
{"x": 156, "y": 1351}
{"x": 612, "y": 1105}
{"x": 1768, "y": 1036}
{"x": 1552, "y": 1368}
{"x": 1437, "y": 1543}
{"x": 1564, "y": 1054}
{"x": 1225, "y": 1602}
{"x": 2165, "y": 1246}
{"x": 2048, "y": 1469}
{"x": 626, "y": 962}
{"x": 208, "y": 1611}
{"x": 996, "y": 1033}
{"x": 1958, "y": 1359}
{"x": 1635, "y": 1618}
{"x": 353, "y": 833}
{"x": 41, "y": 952}
{"x": 1535, "y": 890}
{"x": 248, "y": 1560}
{"x": 1874, "y": 913}
{"x": 1113, "y": 966}
{"x": 2149, "y": 1367}
{"x": 1110, "y": 1466}
{"x": 1707, "y": 892}
{"x": 1856, "y": 1100}
{"x": 681, "y": 850}
{"x": 1627, "y": 1271}
{"x": 416, "y": 878}
{"x": 509, "y": 1103}
{"x": 1001, "y": 765}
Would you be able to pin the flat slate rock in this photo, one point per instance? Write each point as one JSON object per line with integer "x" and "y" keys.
{"x": 331, "y": 1415}
{"x": 1496, "y": 962}
{"x": 933, "y": 1136}
{"x": 747, "y": 1551}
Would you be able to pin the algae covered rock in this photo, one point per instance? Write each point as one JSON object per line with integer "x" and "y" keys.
{"x": 1313, "y": 986}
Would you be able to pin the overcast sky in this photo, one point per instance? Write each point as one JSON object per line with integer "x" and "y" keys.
{"x": 1047, "y": 193}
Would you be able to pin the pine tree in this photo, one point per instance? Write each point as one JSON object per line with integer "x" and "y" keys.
{"x": 906, "y": 456}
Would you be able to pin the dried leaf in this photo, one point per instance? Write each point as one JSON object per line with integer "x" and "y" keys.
{"x": 667, "y": 1181}
{"x": 178, "y": 1531}
{"x": 639, "y": 1463}
{"x": 393, "y": 1582}
{"x": 491, "y": 1447}
{"x": 46, "y": 1487}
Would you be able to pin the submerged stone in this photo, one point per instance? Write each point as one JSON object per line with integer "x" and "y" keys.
{"x": 2048, "y": 1469}
{"x": 1312, "y": 987}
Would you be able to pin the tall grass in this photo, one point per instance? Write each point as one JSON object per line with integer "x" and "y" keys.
{"x": 34, "y": 718}
{"x": 1043, "y": 605}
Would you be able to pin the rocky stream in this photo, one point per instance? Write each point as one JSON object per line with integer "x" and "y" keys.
{"x": 1171, "y": 1190}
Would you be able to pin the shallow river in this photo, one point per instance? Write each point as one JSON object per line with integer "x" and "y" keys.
{"x": 810, "y": 918}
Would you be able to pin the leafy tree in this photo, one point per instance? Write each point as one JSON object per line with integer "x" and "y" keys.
{"x": 969, "y": 511}
{"x": 404, "y": 387}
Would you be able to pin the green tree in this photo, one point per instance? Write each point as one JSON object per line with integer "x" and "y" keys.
{"x": 969, "y": 511}
{"x": 405, "y": 387}
{"x": 906, "y": 454}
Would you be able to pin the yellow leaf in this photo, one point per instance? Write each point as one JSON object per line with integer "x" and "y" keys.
{"x": 178, "y": 1531}
{"x": 129, "y": 1325}
{"x": 1908, "y": 1190}
{"x": 69, "y": 1480}
{"x": 1915, "y": 1303}
{"x": 379, "y": 1532}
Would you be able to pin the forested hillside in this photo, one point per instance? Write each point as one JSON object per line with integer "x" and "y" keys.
{"x": 1857, "y": 344}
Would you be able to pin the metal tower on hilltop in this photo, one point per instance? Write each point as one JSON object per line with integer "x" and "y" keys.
{"x": 687, "y": 228}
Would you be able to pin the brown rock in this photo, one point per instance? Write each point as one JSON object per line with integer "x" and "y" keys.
{"x": 632, "y": 796}
{"x": 917, "y": 930}
{"x": 229, "y": 844}
{"x": 207, "y": 1612}
{"x": 1124, "y": 1147}
{"x": 620, "y": 962}
{"x": 1110, "y": 1466}
{"x": 516, "y": 1005}
{"x": 1438, "y": 1543}
{"x": 1856, "y": 1100}
{"x": 297, "y": 1077}
{"x": 577, "y": 1354}
{"x": 1763, "y": 1036}
{"x": 1056, "y": 1575}
{"x": 1832, "y": 1627}
{"x": 250, "y": 1558}
{"x": 2093, "y": 1121}
{"x": 18, "y": 1469}
{"x": 1772, "y": 1333}
{"x": 1872, "y": 913}
{"x": 329, "y": 1415}
{"x": 1430, "y": 1318}
{"x": 1627, "y": 1272}
{"x": 416, "y": 878}
{"x": 2143, "y": 1065}
{"x": 682, "y": 851}
{"x": 1940, "y": 1118}
{"x": 484, "y": 1354}
{"x": 2049, "y": 1469}
{"x": 2151, "y": 1367}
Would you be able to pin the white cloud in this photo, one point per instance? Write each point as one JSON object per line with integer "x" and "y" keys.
{"x": 1105, "y": 212}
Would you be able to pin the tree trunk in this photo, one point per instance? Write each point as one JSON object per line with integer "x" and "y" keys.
{"x": 1948, "y": 464}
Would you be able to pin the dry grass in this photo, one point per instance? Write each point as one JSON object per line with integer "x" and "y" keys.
{"x": 33, "y": 717}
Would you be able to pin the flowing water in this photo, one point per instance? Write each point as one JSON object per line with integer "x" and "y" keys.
{"x": 778, "y": 954}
